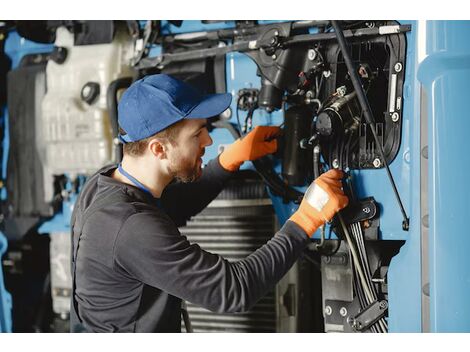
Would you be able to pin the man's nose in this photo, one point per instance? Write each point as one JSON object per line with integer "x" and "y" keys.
{"x": 208, "y": 141}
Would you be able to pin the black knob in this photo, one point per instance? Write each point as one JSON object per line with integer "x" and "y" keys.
{"x": 90, "y": 92}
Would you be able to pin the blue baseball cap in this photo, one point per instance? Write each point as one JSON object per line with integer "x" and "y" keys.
{"x": 156, "y": 102}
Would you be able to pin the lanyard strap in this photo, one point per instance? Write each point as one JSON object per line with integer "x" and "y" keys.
{"x": 138, "y": 184}
{"x": 133, "y": 180}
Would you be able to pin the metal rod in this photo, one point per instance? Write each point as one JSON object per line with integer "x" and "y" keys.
{"x": 249, "y": 45}
{"x": 361, "y": 95}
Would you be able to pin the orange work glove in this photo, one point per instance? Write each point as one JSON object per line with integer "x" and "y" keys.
{"x": 259, "y": 142}
{"x": 323, "y": 199}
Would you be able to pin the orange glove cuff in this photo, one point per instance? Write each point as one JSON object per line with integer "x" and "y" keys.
{"x": 308, "y": 219}
{"x": 230, "y": 159}
{"x": 321, "y": 202}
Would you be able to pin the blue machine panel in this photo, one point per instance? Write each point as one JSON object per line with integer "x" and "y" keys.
{"x": 445, "y": 74}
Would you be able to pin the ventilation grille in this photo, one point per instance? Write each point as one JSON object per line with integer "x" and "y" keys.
{"x": 234, "y": 225}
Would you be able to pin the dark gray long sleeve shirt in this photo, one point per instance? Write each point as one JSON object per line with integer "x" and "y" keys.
{"x": 133, "y": 266}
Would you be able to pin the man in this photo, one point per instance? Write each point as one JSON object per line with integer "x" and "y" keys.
{"x": 131, "y": 266}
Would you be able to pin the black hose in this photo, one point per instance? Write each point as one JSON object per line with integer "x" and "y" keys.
{"x": 112, "y": 103}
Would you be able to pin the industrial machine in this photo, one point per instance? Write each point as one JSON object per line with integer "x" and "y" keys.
{"x": 382, "y": 100}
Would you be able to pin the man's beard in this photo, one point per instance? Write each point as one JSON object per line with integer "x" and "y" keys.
{"x": 184, "y": 171}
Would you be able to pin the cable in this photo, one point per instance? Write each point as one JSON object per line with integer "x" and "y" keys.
{"x": 355, "y": 258}
{"x": 357, "y": 232}
{"x": 238, "y": 117}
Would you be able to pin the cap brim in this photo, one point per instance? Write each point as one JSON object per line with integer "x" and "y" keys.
{"x": 212, "y": 105}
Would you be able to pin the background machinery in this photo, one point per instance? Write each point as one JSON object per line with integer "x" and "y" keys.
{"x": 382, "y": 100}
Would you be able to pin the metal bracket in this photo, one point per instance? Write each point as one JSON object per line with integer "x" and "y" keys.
{"x": 368, "y": 316}
{"x": 362, "y": 210}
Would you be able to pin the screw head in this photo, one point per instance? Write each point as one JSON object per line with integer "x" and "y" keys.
{"x": 383, "y": 305}
{"x": 274, "y": 57}
{"x": 335, "y": 163}
{"x": 343, "y": 311}
{"x": 395, "y": 116}
{"x": 377, "y": 163}
{"x": 398, "y": 67}
{"x": 328, "y": 310}
{"x": 326, "y": 74}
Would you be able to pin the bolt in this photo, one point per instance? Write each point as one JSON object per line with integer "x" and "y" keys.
{"x": 398, "y": 67}
{"x": 86, "y": 90}
{"x": 335, "y": 163}
{"x": 341, "y": 91}
{"x": 226, "y": 114}
{"x": 328, "y": 310}
{"x": 383, "y": 305}
{"x": 377, "y": 163}
{"x": 274, "y": 57}
{"x": 366, "y": 210}
{"x": 395, "y": 116}
{"x": 312, "y": 54}
{"x": 363, "y": 72}
{"x": 343, "y": 311}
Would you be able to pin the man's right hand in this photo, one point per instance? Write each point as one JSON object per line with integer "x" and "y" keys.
{"x": 323, "y": 199}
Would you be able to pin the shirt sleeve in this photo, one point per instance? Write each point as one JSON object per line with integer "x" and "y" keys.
{"x": 183, "y": 200}
{"x": 152, "y": 250}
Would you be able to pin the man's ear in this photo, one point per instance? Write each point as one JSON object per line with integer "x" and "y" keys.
{"x": 158, "y": 148}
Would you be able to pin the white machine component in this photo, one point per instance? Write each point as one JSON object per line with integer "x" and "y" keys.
{"x": 61, "y": 278}
{"x": 76, "y": 135}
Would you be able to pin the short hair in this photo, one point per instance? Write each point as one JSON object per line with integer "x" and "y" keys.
{"x": 137, "y": 148}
